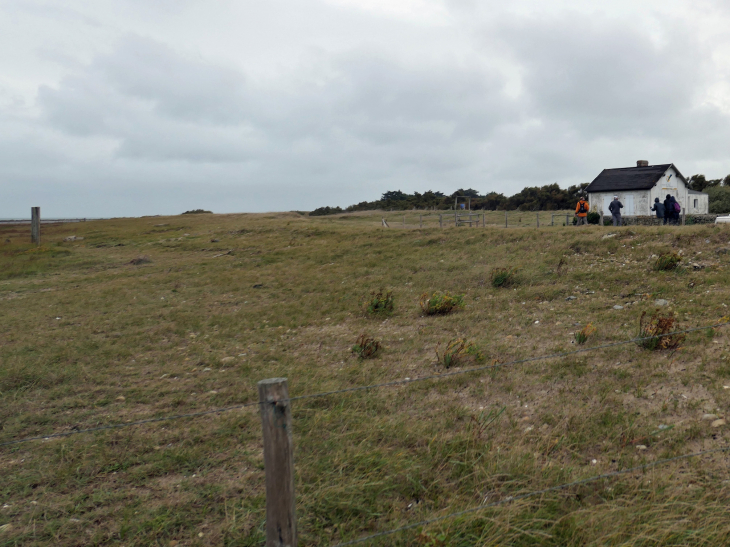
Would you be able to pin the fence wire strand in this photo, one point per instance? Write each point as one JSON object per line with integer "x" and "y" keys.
{"x": 392, "y": 383}
{"x": 128, "y": 424}
{"x": 519, "y": 497}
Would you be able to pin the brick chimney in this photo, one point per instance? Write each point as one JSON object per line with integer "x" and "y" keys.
{"x": 642, "y": 163}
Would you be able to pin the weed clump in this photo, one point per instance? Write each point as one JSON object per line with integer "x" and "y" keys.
{"x": 440, "y": 303}
{"x": 379, "y": 303}
{"x": 581, "y": 337}
{"x": 458, "y": 352}
{"x": 503, "y": 277}
{"x": 667, "y": 261}
{"x": 366, "y": 347}
{"x": 655, "y": 332}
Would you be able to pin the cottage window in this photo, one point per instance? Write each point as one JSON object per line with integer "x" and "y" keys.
{"x": 695, "y": 204}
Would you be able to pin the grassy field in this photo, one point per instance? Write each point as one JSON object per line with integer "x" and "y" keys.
{"x": 220, "y": 302}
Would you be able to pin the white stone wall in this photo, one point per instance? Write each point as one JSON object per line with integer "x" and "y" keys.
{"x": 599, "y": 202}
{"x": 703, "y": 203}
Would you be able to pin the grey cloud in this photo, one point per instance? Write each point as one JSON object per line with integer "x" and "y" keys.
{"x": 339, "y": 120}
{"x": 606, "y": 78}
{"x": 176, "y": 86}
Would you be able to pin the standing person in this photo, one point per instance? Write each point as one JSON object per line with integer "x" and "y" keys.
{"x": 581, "y": 211}
{"x": 615, "y": 208}
{"x": 676, "y": 208}
{"x": 668, "y": 210}
{"x": 659, "y": 208}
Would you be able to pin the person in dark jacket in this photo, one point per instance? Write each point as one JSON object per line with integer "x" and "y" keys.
{"x": 659, "y": 208}
{"x": 675, "y": 213}
{"x": 615, "y": 208}
{"x": 668, "y": 216}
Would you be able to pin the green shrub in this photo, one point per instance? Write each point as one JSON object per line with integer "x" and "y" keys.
{"x": 365, "y": 347}
{"x": 458, "y": 352}
{"x": 440, "y": 303}
{"x": 322, "y": 211}
{"x": 198, "y": 212}
{"x": 378, "y": 303}
{"x": 719, "y": 199}
{"x": 667, "y": 261}
{"x": 594, "y": 218}
{"x": 503, "y": 277}
{"x": 581, "y": 337}
{"x": 655, "y": 332}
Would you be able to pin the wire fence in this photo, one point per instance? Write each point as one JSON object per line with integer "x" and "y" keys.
{"x": 405, "y": 381}
{"x": 477, "y": 218}
{"x": 14, "y": 221}
{"x": 392, "y": 383}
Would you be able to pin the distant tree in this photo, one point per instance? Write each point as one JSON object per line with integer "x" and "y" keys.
{"x": 470, "y": 193}
{"x": 321, "y": 211}
{"x": 394, "y": 196}
{"x": 726, "y": 181}
{"x": 719, "y": 197}
{"x": 492, "y": 201}
{"x": 700, "y": 183}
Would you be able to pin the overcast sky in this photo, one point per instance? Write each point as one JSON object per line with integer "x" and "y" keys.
{"x": 138, "y": 107}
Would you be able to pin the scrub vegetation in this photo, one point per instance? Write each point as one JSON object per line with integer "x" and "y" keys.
{"x": 88, "y": 338}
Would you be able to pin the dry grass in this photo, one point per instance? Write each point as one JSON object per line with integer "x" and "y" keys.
{"x": 89, "y": 338}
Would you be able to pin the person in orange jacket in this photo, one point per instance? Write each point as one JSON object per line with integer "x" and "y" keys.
{"x": 581, "y": 211}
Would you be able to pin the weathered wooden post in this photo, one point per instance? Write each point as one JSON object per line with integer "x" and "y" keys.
{"x": 684, "y": 214}
{"x": 484, "y": 220}
{"x": 505, "y": 218}
{"x": 566, "y": 219}
{"x": 420, "y": 221}
{"x": 404, "y": 221}
{"x": 552, "y": 219}
{"x": 456, "y": 218}
{"x": 441, "y": 221}
{"x": 35, "y": 225}
{"x": 281, "y": 518}
{"x": 538, "y": 219}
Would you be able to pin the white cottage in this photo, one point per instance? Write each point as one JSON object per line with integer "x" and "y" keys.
{"x": 636, "y": 187}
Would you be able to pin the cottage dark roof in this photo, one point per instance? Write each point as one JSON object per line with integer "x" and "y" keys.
{"x": 630, "y": 178}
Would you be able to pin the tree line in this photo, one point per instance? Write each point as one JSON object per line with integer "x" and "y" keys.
{"x": 533, "y": 198}
{"x": 543, "y": 198}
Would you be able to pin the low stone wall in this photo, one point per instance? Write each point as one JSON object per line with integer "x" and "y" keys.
{"x": 654, "y": 221}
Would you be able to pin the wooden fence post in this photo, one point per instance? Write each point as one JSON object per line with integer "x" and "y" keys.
{"x": 35, "y": 225}
{"x": 420, "y": 221}
{"x": 404, "y": 221}
{"x": 484, "y": 220}
{"x": 281, "y": 518}
{"x": 538, "y": 219}
{"x": 456, "y": 223}
{"x": 566, "y": 219}
{"x": 441, "y": 221}
{"x": 684, "y": 214}
{"x": 552, "y": 219}
{"x": 505, "y": 218}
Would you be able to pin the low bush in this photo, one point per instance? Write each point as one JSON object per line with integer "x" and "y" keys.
{"x": 378, "y": 303}
{"x": 198, "y": 212}
{"x": 593, "y": 217}
{"x": 322, "y": 211}
{"x": 503, "y": 277}
{"x": 365, "y": 347}
{"x": 458, "y": 352}
{"x": 581, "y": 337}
{"x": 655, "y": 332}
{"x": 440, "y": 303}
{"x": 667, "y": 261}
